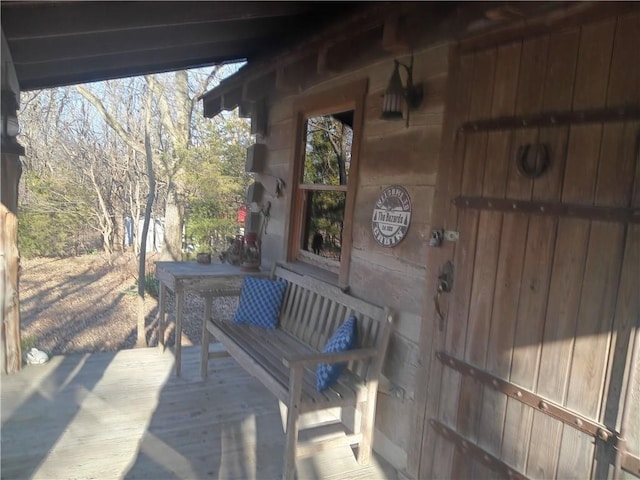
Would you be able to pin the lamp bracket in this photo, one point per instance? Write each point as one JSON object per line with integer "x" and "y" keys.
{"x": 413, "y": 93}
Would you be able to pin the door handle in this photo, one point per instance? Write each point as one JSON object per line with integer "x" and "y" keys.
{"x": 445, "y": 284}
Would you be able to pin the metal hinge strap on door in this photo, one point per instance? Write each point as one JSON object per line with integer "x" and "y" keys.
{"x": 554, "y": 209}
{"x": 554, "y": 119}
{"x": 628, "y": 462}
{"x": 527, "y": 397}
{"x": 477, "y": 453}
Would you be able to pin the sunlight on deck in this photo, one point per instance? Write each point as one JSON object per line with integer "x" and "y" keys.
{"x": 124, "y": 414}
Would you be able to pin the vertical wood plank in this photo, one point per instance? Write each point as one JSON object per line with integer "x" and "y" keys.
{"x": 626, "y": 326}
{"x": 558, "y": 94}
{"x": 592, "y": 73}
{"x": 621, "y": 142}
{"x": 529, "y": 100}
{"x": 466, "y": 322}
{"x": 512, "y": 238}
{"x": 532, "y": 302}
{"x": 602, "y": 264}
{"x": 624, "y": 81}
{"x": 424, "y": 439}
{"x": 538, "y": 255}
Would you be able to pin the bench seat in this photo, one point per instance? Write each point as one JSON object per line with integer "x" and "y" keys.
{"x": 268, "y": 360}
{"x": 285, "y": 359}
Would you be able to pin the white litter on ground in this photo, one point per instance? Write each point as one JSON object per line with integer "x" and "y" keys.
{"x": 36, "y": 357}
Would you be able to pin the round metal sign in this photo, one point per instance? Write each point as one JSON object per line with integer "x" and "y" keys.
{"x": 391, "y": 216}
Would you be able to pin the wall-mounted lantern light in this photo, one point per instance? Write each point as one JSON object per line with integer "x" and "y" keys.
{"x": 396, "y": 95}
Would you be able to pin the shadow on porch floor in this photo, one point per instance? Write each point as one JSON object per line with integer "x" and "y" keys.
{"x": 125, "y": 415}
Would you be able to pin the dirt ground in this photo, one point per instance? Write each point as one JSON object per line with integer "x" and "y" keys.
{"x": 84, "y": 304}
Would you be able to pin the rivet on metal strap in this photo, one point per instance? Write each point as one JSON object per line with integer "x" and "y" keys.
{"x": 543, "y": 405}
{"x": 603, "y": 435}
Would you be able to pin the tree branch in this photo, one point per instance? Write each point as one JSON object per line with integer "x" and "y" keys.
{"x": 110, "y": 119}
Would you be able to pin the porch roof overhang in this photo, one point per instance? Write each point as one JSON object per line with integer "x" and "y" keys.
{"x": 56, "y": 43}
{"x": 385, "y": 28}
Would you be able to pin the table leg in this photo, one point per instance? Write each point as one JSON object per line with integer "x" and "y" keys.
{"x": 204, "y": 344}
{"x": 178, "y": 342}
{"x": 162, "y": 316}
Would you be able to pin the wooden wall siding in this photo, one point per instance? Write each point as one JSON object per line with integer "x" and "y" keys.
{"x": 543, "y": 302}
{"x": 390, "y": 154}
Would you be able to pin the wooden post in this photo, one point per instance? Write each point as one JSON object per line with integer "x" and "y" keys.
{"x": 206, "y": 338}
{"x": 9, "y": 301}
{"x": 295, "y": 392}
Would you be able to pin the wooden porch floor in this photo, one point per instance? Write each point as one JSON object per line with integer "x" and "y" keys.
{"x": 125, "y": 415}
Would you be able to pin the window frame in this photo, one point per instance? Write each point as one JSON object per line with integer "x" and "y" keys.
{"x": 338, "y": 99}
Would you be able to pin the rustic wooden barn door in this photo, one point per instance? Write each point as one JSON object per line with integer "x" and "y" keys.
{"x": 530, "y": 358}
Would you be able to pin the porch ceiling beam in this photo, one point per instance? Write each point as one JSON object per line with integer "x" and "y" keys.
{"x": 66, "y": 72}
{"x": 365, "y": 19}
{"x": 246, "y": 35}
{"x": 78, "y": 18}
{"x": 324, "y": 61}
{"x": 537, "y": 18}
{"x": 357, "y": 50}
{"x": 232, "y": 98}
{"x": 293, "y": 77}
{"x": 212, "y": 106}
{"x": 393, "y": 37}
{"x": 245, "y": 109}
{"x": 254, "y": 90}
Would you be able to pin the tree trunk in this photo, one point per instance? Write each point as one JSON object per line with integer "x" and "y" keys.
{"x": 172, "y": 242}
{"x": 118, "y": 230}
{"x": 141, "y": 340}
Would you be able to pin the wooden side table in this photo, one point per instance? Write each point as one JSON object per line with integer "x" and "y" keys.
{"x": 210, "y": 281}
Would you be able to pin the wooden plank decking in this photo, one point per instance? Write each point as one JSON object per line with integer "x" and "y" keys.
{"x": 125, "y": 415}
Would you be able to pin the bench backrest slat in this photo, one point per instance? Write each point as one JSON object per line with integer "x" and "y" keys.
{"x": 312, "y": 310}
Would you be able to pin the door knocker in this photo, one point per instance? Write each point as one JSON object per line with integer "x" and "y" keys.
{"x": 532, "y": 159}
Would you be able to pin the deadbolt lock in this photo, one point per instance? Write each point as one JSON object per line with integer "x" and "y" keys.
{"x": 438, "y": 235}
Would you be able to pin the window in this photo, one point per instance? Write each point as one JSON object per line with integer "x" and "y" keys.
{"x": 324, "y": 180}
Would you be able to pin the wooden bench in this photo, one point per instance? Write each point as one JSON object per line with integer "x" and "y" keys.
{"x": 285, "y": 359}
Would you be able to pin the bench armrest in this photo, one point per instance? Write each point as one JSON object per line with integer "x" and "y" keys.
{"x": 316, "y": 358}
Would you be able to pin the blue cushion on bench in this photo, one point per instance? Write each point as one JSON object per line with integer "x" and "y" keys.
{"x": 344, "y": 338}
{"x": 260, "y": 300}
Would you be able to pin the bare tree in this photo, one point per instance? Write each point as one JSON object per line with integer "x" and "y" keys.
{"x": 175, "y": 97}
{"x": 141, "y": 340}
